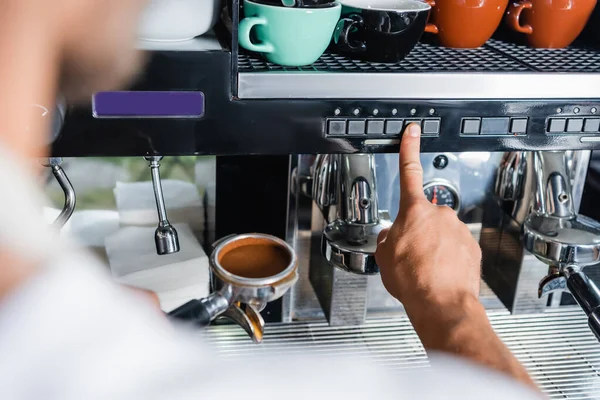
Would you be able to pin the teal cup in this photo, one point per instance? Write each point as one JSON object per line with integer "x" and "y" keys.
{"x": 287, "y": 36}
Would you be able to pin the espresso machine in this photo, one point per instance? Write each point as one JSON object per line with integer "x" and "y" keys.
{"x": 534, "y": 215}
{"x": 309, "y": 155}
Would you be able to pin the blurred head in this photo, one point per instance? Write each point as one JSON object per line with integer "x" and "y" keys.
{"x": 75, "y": 47}
{"x": 98, "y": 41}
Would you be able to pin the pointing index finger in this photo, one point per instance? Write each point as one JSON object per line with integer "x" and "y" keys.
{"x": 411, "y": 171}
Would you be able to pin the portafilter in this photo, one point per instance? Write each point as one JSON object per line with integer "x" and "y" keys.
{"x": 242, "y": 293}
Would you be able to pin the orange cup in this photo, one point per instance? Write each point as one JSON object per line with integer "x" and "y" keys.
{"x": 465, "y": 23}
{"x": 551, "y": 24}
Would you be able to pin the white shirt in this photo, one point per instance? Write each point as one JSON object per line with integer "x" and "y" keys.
{"x": 71, "y": 333}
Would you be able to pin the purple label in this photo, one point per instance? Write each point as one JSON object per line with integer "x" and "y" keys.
{"x": 148, "y": 105}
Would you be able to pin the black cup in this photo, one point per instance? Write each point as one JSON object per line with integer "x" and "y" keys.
{"x": 380, "y": 30}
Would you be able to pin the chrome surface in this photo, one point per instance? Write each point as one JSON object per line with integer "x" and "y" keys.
{"x": 165, "y": 236}
{"x": 553, "y": 193}
{"x": 509, "y": 179}
{"x": 359, "y": 189}
{"x": 345, "y": 190}
{"x": 348, "y": 85}
{"x": 577, "y": 166}
{"x": 556, "y": 347}
{"x": 557, "y": 236}
{"x": 550, "y": 184}
{"x": 54, "y": 163}
{"x": 351, "y": 247}
{"x": 559, "y": 241}
{"x": 583, "y": 289}
{"x": 554, "y": 232}
{"x": 325, "y": 186}
{"x": 215, "y": 304}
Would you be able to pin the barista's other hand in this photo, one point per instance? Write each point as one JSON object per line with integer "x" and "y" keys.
{"x": 428, "y": 257}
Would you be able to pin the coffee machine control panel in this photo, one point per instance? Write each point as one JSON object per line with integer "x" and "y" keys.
{"x": 494, "y": 126}
{"x": 475, "y": 126}
{"x": 562, "y": 125}
{"x": 389, "y": 127}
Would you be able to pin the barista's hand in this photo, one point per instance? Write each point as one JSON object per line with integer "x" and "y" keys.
{"x": 428, "y": 258}
{"x": 431, "y": 263}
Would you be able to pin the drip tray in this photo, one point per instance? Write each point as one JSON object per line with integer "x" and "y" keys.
{"x": 557, "y": 348}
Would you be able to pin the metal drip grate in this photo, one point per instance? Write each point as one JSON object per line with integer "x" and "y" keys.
{"x": 557, "y": 347}
{"x": 495, "y": 56}
{"x": 577, "y": 58}
{"x": 424, "y": 58}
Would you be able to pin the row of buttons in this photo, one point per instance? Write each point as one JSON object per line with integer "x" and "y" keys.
{"x": 574, "y": 125}
{"x": 494, "y": 126}
{"x": 341, "y": 126}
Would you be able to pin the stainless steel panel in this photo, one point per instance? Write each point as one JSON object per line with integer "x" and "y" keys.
{"x": 331, "y": 85}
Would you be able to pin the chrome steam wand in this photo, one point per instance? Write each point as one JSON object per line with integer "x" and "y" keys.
{"x": 54, "y": 163}
{"x": 165, "y": 236}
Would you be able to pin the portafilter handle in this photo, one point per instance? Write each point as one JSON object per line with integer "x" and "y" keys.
{"x": 54, "y": 163}
{"x": 165, "y": 236}
{"x": 201, "y": 312}
{"x": 583, "y": 290}
{"x": 249, "y": 319}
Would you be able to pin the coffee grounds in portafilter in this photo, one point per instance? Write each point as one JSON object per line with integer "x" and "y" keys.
{"x": 261, "y": 259}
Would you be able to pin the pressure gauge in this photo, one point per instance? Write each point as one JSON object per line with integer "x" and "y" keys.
{"x": 442, "y": 193}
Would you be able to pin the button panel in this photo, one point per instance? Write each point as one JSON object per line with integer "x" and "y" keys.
{"x": 494, "y": 126}
{"x": 336, "y": 127}
{"x": 573, "y": 125}
{"x": 591, "y": 125}
{"x": 518, "y": 126}
{"x": 488, "y": 126}
{"x": 431, "y": 127}
{"x": 357, "y": 127}
{"x": 394, "y": 126}
{"x": 375, "y": 127}
{"x": 557, "y": 125}
{"x": 380, "y": 126}
{"x": 470, "y": 126}
{"x": 407, "y": 122}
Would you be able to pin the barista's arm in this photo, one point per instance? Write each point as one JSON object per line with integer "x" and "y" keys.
{"x": 431, "y": 263}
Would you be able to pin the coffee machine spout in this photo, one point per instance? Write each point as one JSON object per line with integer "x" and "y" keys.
{"x": 558, "y": 236}
{"x": 345, "y": 190}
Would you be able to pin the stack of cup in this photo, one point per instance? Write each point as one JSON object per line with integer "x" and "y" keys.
{"x": 291, "y": 33}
